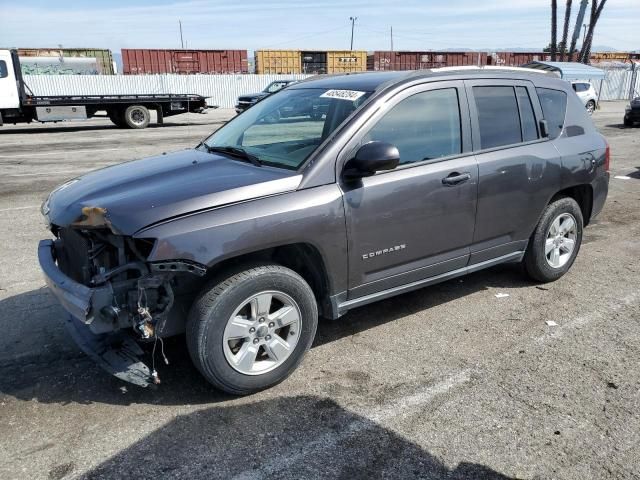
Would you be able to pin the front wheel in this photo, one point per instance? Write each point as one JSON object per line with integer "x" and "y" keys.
{"x": 555, "y": 242}
{"x": 591, "y": 107}
{"x": 628, "y": 122}
{"x": 250, "y": 330}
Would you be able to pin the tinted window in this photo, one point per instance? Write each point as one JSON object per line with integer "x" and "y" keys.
{"x": 3, "y": 69}
{"x": 498, "y": 116}
{"x": 527, "y": 117}
{"x": 554, "y": 107}
{"x": 423, "y": 126}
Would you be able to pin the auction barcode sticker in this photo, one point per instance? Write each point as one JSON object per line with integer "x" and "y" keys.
{"x": 351, "y": 95}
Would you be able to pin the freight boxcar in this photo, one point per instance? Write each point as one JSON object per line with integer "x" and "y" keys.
{"x": 58, "y": 61}
{"x": 310, "y": 61}
{"x": 153, "y": 61}
{"x": 403, "y": 60}
{"x": 515, "y": 59}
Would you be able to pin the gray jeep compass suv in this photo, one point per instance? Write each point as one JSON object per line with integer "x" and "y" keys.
{"x": 408, "y": 179}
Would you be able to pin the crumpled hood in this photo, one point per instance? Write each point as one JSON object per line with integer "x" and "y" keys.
{"x": 143, "y": 192}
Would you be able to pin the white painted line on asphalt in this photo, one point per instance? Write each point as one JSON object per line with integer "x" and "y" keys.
{"x": 622, "y": 177}
{"x": 42, "y": 154}
{"x": 61, "y": 172}
{"x": 18, "y": 208}
{"x": 370, "y": 417}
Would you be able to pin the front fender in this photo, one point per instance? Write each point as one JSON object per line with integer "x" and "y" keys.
{"x": 314, "y": 216}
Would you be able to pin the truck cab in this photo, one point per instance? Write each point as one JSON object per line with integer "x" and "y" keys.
{"x": 9, "y": 95}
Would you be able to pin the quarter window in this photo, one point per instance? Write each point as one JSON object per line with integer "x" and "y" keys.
{"x": 3, "y": 69}
{"x": 498, "y": 116}
{"x": 527, "y": 117}
{"x": 554, "y": 107}
{"x": 424, "y": 126}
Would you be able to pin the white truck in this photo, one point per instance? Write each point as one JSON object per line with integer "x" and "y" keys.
{"x": 19, "y": 105}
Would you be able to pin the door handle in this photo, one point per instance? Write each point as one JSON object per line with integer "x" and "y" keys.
{"x": 456, "y": 178}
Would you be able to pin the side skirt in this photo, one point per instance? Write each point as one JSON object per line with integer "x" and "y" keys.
{"x": 340, "y": 306}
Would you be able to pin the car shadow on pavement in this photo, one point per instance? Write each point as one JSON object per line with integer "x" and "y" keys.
{"x": 46, "y": 366}
{"x": 503, "y": 277}
{"x": 284, "y": 438}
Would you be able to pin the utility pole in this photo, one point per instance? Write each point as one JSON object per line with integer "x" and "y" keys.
{"x": 576, "y": 29}
{"x": 181, "y": 40}
{"x": 353, "y": 23}
{"x": 392, "y": 38}
{"x": 584, "y": 32}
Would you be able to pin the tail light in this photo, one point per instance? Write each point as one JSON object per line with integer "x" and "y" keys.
{"x": 607, "y": 158}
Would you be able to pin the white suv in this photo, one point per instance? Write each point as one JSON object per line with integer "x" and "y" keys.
{"x": 587, "y": 94}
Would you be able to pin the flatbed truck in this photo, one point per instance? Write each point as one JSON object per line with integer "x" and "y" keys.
{"x": 18, "y": 104}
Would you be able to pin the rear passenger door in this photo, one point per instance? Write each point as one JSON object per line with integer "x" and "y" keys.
{"x": 518, "y": 169}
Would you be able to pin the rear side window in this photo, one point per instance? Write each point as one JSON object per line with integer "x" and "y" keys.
{"x": 3, "y": 69}
{"x": 527, "y": 117}
{"x": 554, "y": 108}
{"x": 498, "y": 116}
{"x": 423, "y": 126}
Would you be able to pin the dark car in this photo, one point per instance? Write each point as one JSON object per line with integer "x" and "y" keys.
{"x": 407, "y": 180}
{"x": 250, "y": 99}
{"x": 632, "y": 113}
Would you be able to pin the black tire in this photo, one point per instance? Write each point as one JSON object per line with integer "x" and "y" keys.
{"x": 117, "y": 119}
{"x": 628, "y": 122}
{"x": 591, "y": 107}
{"x": 137, "y": 116}
{"x": 216, "y": 304}
{"x": 535, "y": 260}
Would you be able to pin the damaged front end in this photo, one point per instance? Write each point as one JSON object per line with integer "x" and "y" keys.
{"x": 115, "y": 297}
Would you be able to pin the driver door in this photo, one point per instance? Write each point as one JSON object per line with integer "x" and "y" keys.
{"x": 416, "y": 221}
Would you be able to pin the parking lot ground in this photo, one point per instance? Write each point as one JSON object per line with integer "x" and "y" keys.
{"x": 445, "y": 382}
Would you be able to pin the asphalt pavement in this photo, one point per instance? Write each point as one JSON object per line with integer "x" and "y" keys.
{"x": 454, "y": 381}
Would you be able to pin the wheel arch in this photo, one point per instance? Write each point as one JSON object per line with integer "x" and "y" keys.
{"x": 582, "y": 194}
{"x": 302, "y": 257}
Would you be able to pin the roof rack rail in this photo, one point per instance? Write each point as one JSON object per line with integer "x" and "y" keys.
{"x": 489, "y": 67}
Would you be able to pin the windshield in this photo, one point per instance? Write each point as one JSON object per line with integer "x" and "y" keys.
{"x": 273, "y": 87}
{"x": 284, "y": 129}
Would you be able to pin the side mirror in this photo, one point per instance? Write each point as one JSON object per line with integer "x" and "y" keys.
{"x": 544, "y": 128}
{"x": 370, "y": 158}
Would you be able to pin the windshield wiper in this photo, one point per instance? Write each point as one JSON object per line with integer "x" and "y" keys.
{"x": 236, "y": 152}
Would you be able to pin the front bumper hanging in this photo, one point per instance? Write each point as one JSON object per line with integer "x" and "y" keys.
{"x": 116, "y": 352}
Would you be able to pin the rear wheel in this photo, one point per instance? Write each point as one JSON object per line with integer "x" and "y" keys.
{"x": 137, "y": 116}
{"x": 591, "y": 107}
{"x": 555, "y": 242}
{"x": 628, "y": 122}
{"x": 249, "y": 330}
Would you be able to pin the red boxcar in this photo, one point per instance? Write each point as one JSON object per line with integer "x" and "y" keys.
{"x": 515, "y": 59}
{"x": 387, "y": 60}
{"x": 145, "y": 61}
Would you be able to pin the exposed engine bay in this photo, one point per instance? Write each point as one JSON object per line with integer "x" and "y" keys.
{"x": 126, "y": 299}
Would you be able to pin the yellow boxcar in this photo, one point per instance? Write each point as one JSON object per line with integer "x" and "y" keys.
{"x": 278, "y": 61}
{"x": 340, "y": 61}
{"x": 619, "y": 56}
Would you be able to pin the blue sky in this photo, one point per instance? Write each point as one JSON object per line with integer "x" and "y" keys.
{"x": 314, "y": 24}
